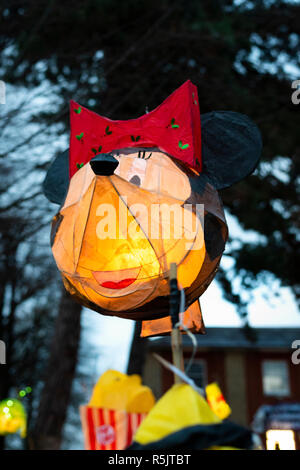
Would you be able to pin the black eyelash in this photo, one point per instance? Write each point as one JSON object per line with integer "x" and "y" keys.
{"x": 143, "y": 155}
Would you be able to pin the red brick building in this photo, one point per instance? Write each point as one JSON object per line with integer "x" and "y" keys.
{"x": 252, "y": 369}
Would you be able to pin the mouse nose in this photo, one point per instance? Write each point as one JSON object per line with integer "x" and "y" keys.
{"x": 104, "y": 164}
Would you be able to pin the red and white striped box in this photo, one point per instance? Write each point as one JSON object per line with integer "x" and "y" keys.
{"x": 106, "y": 429}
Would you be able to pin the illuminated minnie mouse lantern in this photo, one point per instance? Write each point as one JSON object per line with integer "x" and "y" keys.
{"x": 131, "y": 195}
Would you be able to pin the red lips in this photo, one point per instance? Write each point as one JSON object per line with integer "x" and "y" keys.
{"x": 116, "y": 279}
{"x": 118, "y": 285}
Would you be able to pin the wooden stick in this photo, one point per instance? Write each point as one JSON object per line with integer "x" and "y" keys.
{"x": 176, "y": 340}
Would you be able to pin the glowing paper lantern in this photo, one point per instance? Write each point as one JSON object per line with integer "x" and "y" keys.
{"x": 138, "y": 195}
{"x": 217, "y": 401}
{"x": 12, "y": 417}
{"x": 182, "y": 419}
{"x": 118, "y": 405}
{"x": 118, "y": 391}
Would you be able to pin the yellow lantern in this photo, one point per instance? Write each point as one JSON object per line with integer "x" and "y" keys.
{"x": 12, "y": 417}
{"x": 118, "y": 405}
{"x": 182, "y": 419}
{"x": 117, "y": 391}
{"x": 217, "y": 401}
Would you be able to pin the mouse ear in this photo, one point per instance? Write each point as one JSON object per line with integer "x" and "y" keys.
{"x": 231, "y": 147}
{"x": 56, "y": 183}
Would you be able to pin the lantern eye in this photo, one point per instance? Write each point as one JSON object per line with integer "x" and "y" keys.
{"x": 135, "y": 180}
{"x": 156, "y": 173}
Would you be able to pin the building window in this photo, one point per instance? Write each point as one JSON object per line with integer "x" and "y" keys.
{"x": 277, "y": 439}
{"x": 197, "y": 372}
{"x": 276, "y": 381}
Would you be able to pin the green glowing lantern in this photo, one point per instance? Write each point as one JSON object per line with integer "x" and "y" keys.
{"x": 12, "y": 417}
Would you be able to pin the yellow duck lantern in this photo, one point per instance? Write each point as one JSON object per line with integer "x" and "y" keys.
{"x": 138, "y": 195}
{"x": 183, "y": 420}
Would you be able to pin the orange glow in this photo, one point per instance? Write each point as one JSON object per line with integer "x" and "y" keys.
{"x": 116, "y": 239}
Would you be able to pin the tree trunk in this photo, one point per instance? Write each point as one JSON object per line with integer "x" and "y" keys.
{"x": 137, "y": 352}
{"x": 59, "y": 376}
